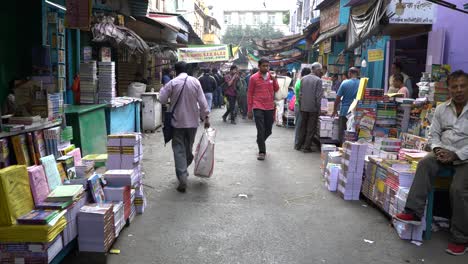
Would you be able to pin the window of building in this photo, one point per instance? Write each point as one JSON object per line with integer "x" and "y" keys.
{"x": 242, "y": 19}
{"x": 256, "y": 19}
{"x": 271, "y": 19}
{"x": 227, "y": 19}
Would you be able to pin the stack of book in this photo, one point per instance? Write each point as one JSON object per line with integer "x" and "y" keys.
{"x": 125, "y": 151}
{"x": 133, "y": 210}
{"x": 55, "y": 105}
{"x": 120, "y": 194}
{"x": 386, "y": 115}
{"x": 140, "y": 200}
{"x": 119, "y": 178}
{"x": 37, "y": 253}
{"x": 441, "y": 93}
{"x": 38, "y": 217}
{"x": 328, "y": 127}
{"x": 332, "y": 173}
{"x": 24, "y": 120}
{"x": 71, "y": 231}
{"x": 350, "y": 181}
{"x": 65, "y": 193}
{"x": 107, "y": 82}
{"x": 324, "y": 150}
{"x": 88, "y": 82}
{"x": 374, "y": 94}
{"x": 52, "y": 137}
{"x": 119, "y": 217}
{"x": 96, "y": 230}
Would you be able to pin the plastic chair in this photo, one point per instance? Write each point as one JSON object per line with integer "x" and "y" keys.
{"x": 444, "y": 176}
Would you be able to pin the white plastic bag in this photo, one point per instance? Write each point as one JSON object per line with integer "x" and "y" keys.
{"x": 204, "y": 154}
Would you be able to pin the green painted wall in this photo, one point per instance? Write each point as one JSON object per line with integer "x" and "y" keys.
{"x": 20, "y": 28}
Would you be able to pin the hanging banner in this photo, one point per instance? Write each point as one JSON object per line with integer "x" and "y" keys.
{"x": 194, "y": 54}
{"x": 411, "y": 12}
{"x": 375, "y": 55}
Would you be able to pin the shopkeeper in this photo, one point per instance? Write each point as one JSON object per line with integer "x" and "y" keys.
{"x": 449, "y": 142}
{"x": 396, "y": 69}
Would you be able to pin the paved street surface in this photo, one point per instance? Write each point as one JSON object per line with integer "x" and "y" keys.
{"x": 289, "y": 217}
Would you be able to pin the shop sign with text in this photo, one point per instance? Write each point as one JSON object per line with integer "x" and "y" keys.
{"x": 203, "y": 54}
{"x": 413, "y": 12}
{"x": 375, "y": 55}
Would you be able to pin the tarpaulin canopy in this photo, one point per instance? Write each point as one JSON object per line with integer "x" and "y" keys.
{"x": 365, "y": 25}
{"x": 334, "y": 32}
{"x": 106, "y": 30}
{"x": 275, "y": 45}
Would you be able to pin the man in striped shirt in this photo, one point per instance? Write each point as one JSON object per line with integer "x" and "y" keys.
{"x": 261, "y": 103}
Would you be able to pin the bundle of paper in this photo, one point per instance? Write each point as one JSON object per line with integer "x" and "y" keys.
{"x": 107, "y": 82}
{"x": 140, "y": 200}
{"x": 88, "y": 82}
{"x": 120, "y": 194}
{"x": 332, "y": 174}
{"x": 125, "y": 151}
{"x": 34, "y": 253}
{"x": 408, "y": 231}
{"x": 325, "y": 149}
{"x": 71, "y": 230}
{"x": 95, "y": 187}
{"x": 350, "y": 181}
{"x": 65, "y": 193}
{"x": 51, "y": 171}
{"x": 85, "y": 170}
{"x": 119, "y": 178}
{"x": 119, "y": 217}
{"x": 327, "y": 126}
{"x": 96, "y": 230}
{"x": 15, "y": 194}
{"x": 37, "y": 217}
{"x": 33, "y": 233}
{"x": 38, "y": 182}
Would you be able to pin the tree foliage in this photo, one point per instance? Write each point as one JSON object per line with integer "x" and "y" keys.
{"x": 243, "y": 35}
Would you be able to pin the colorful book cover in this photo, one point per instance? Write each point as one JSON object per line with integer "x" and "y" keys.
{"x": 95, "y": 186}
{"x": 39, "y": 144}
{"x": 51, "y": 171}
{"x": 32, "y": 151}
{"x": 38, "y": 217}
{"x": 76, "y": 154}
{"x": 4, "y": 153}
{"x": 38, "y": 182}
{"x": 53, "y": 205}
{"x": 15, "y": 194}
{"x": 21, "y": 150}
{"x": 65, "y": 193}
{"x": 62, "y": 172}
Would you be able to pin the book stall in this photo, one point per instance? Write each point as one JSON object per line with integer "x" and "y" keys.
{"x": 55, "y": 199}
{"x": 385, "y": 140}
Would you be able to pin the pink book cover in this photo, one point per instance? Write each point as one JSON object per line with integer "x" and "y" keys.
{"x": 76, "y": 154}
{"x": 38, "y": 182}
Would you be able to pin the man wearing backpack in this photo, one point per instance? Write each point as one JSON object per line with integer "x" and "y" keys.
{"x": 189, "y": 106}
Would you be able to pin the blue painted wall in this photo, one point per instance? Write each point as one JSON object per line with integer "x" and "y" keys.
{"x": 375, "y": 71}
{"x": 344, "y": 12}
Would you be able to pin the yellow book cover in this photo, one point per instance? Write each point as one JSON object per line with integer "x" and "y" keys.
{"x": 15, "y": 193}
{"x": 362, "y": 88}
{"x": 21, "y": 150}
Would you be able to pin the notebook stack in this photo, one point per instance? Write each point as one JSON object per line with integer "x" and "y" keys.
{"x": 120, "y": 194}
{"x": 324, "y": 150}
{"x": 140, "y": 200}
{"x": 350, "y": 181}
{"x": 88, "y": 82}
{"x": 65, "y": 193}
{"x": 332, "y": 173}
{"x": 55, "y": 105}
{"x": 36, "y": 253}
{"x": 125, "y": 151}
{"x": 119, "y": 178}
{"x": 96, "y": 231}
{"x": 71, "y": 231}
{"x": 38, "y": 217}
{"x": 107, "y": 82}
{"x": 119, "y": 217}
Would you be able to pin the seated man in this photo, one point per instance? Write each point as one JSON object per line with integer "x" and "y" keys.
{"x": 449, "y": 142}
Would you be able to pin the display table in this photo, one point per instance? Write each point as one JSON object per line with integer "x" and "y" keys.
{"x": 123, "y": 116}
{"x": 89, "y": 127}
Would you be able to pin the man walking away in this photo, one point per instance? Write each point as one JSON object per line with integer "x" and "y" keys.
{"x": 261, "y": 104}
{"x": 191, "y": 106}
{"x": 297, "y": 109}
{"x": 345, "y": 96}
{"x": 242, "y": 96}
{"x": 311, "y": 95}
{"x": 217, "y": 95}
{"x": 231, "y": 80}
{"x": 208, "y": 84}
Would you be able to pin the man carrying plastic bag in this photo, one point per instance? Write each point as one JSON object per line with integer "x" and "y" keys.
{"x": 204, "y": 154}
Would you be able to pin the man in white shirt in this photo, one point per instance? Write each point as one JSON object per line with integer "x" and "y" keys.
{"x": 449, "y": 143}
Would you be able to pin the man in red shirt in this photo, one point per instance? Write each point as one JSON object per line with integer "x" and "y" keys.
{"x": 261, "y": 104}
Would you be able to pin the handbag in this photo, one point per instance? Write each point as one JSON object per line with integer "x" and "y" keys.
{"x": 168, "y": 129}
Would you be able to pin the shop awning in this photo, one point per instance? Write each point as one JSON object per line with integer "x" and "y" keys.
{"x": 334, "y": 32}
{"x": 365, "y": 25}
{"x": 275, "y": 45}
{"x": 107, "y": 31}
{"x": 152, "y": 31}
{"x": 170, "y": 21}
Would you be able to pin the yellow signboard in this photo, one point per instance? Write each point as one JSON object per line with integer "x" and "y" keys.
{"x": 203, "y": 54}
{"x": 375, "y": 55}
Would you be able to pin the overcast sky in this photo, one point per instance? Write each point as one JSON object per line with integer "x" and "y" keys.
{"x": 251, "y": 4}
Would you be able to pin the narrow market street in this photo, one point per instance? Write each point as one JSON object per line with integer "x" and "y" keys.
{"x": 288, "y": 217}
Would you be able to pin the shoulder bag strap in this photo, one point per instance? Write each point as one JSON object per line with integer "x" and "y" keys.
{"x": 178, "y": 97}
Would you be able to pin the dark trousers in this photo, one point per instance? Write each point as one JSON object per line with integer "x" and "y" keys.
{"x": 427, "y": 171}
{"x": 232, "y": 108}
{"x": 308, "y": 130}
{"x": 264, "y": 120}
{"x": 182, "y": 144}
{"x": 342, "y": 127}
{"x": 242, "y": 102}
{"x": 217, "y": 97}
